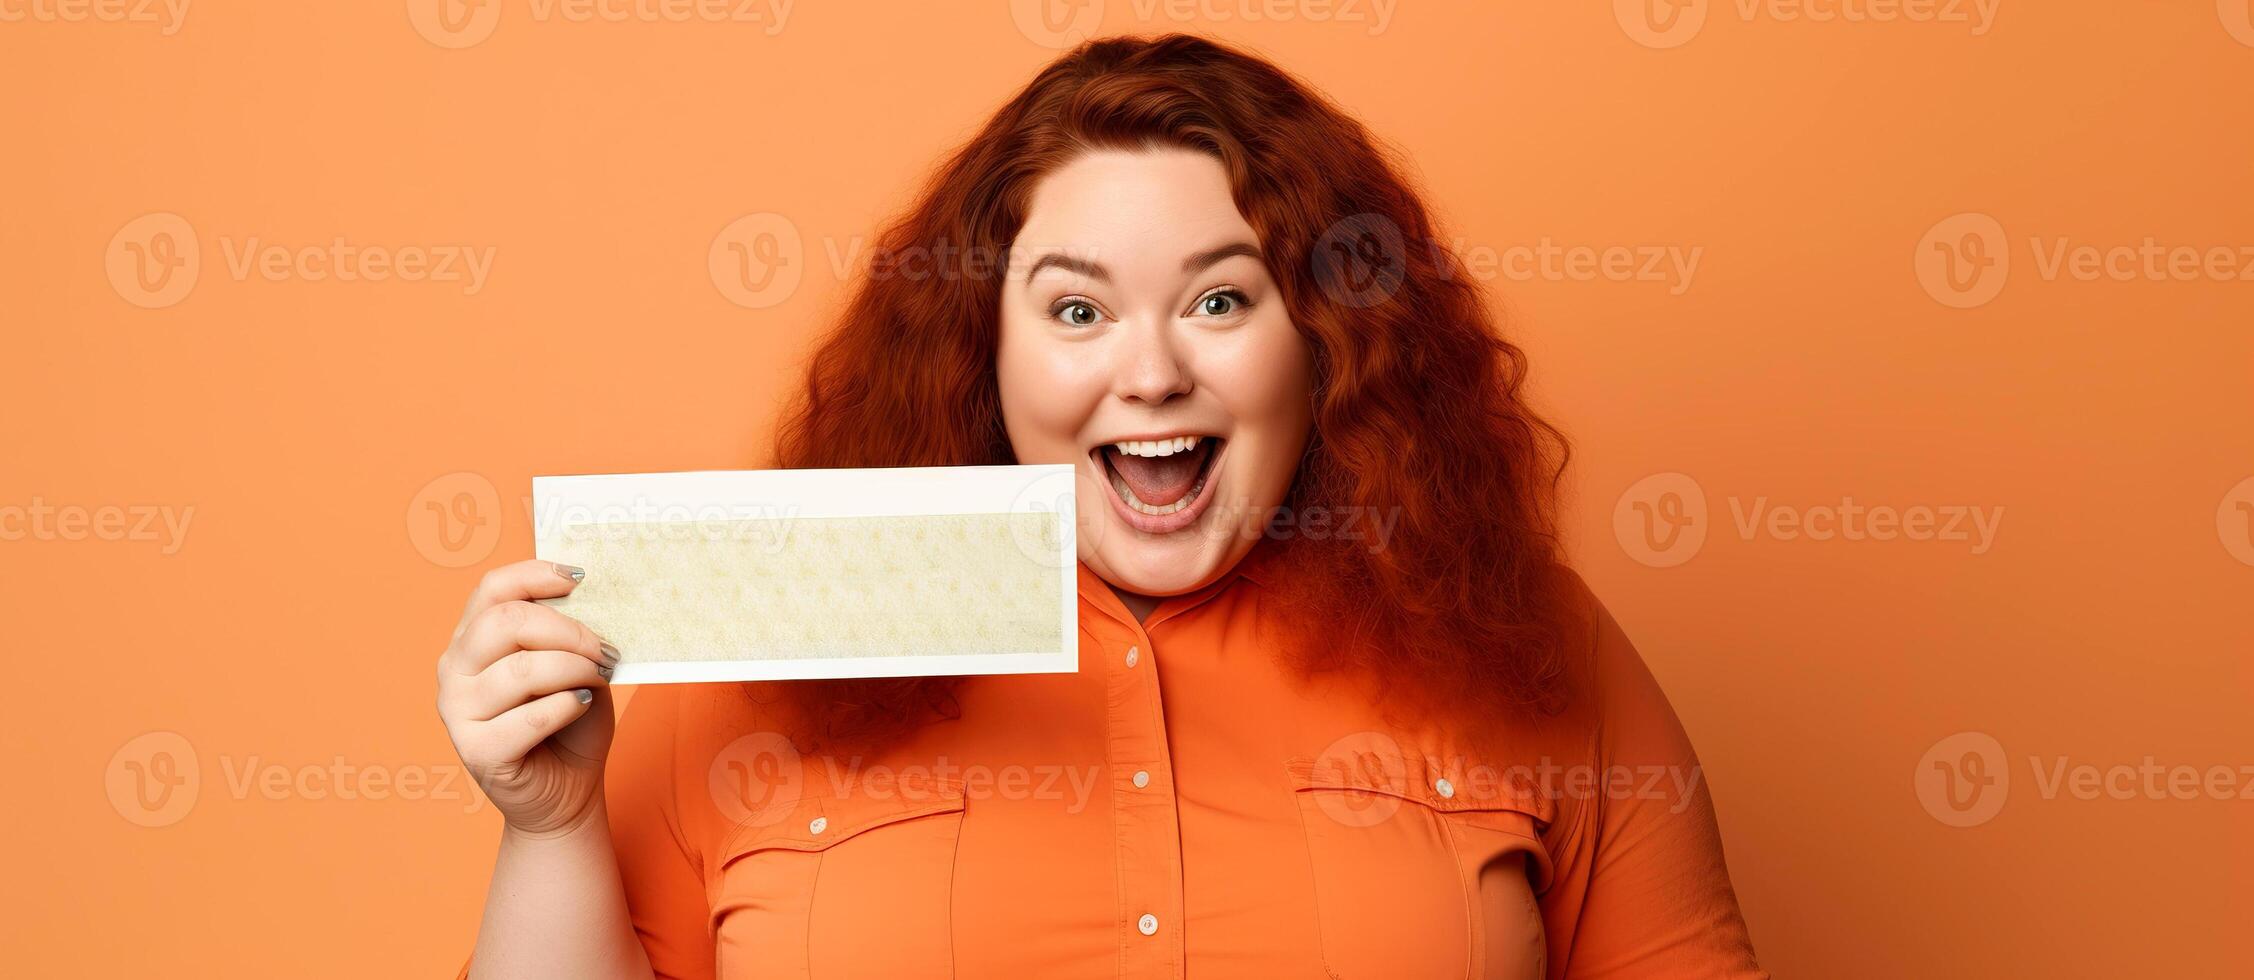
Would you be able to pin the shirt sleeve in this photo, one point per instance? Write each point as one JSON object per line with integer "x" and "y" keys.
{"x": 662, "y": 872}
{"x": 1658, "y": 901}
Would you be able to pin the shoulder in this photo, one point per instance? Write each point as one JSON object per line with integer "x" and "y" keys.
{"x": 1604, "y": 671}
{"x": 1616, "y": 697}
{"x": 679, "y": 746}
{"x": 1608, "y": 704}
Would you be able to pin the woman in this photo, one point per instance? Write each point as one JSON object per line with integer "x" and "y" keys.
{"x": 1339, "y": 709}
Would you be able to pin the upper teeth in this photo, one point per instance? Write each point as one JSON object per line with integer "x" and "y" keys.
{"x": 1157, "y": 447}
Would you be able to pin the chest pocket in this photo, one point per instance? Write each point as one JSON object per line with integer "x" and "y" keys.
{"x": 850, "y": 886}
{"x": 1420, "y": 873}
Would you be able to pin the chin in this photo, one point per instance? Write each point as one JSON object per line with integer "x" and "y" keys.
{"x": 1159, "y": 511}
{"x": 1159, "y": 568}
{"x": 1164, "y": 564}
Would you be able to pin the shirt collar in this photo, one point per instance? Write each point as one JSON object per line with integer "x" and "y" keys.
{"x": 1257, "y": 567}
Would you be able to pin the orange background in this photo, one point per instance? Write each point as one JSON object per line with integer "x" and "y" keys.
{"x": 290, "y": 631}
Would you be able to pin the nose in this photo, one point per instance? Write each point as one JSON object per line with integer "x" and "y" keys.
{"x": 1150, "y": 368}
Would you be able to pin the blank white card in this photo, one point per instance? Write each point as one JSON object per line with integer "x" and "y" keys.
{"x": 788, "y": 574}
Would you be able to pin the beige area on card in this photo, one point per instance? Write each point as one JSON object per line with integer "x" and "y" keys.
{"x": 794, "y": 588}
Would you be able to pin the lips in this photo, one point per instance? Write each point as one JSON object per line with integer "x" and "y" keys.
{"x": 1158, "y": 484}
{"x": 1161, "y": 480}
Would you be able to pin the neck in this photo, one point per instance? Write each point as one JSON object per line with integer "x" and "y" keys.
{"x": 1140, "y": 605}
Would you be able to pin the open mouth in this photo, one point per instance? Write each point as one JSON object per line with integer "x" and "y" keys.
{"x": 1160, "y": 483}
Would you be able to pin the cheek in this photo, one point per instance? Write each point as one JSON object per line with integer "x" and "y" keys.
{"x": 1047, "y": 394}
{"x": 1265, "y": 383}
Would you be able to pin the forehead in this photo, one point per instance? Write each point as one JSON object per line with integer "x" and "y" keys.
{"x": 1128, "y": 208}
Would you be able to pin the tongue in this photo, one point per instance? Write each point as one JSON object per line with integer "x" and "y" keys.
{"x": 1161, "y": 480}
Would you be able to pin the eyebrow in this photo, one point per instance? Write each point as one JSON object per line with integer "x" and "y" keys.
{"x": 1197, "y": 263}
{"x": 1093, "y": 270}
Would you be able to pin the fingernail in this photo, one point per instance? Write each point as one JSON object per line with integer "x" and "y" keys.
{"x": 604, "y": 672}
{"x": 584, "y": 695}
{"x": 610, "y": 653}
{"x": 572, "y": 572}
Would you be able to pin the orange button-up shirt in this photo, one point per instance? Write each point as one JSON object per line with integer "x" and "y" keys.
{"x": 1183, "y": 804}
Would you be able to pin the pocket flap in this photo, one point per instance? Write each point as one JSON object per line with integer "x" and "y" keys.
{"x": 1444, "y": 788}
{"x": 820, "y": 821}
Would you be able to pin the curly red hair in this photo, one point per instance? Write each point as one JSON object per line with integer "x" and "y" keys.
{"x": 1418, "y": 410}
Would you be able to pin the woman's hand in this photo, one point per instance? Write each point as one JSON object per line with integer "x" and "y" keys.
{"x": 525, "y": 694}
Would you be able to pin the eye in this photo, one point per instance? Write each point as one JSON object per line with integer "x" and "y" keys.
{"x": 1223, "y": 302}
{"x": 1076, "y": 313}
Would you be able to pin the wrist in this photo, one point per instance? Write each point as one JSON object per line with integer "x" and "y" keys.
{"x": 590, "y": 823}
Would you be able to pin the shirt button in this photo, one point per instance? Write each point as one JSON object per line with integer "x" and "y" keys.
{"x": 1445, "y": 788}
{"x": 1142, "y": 778}
{"x": 820, "y": 824}
{"x": 1132, "y": 653}
{"x": 1148, "y": 924}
